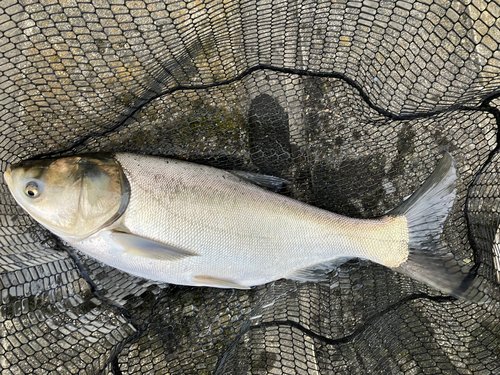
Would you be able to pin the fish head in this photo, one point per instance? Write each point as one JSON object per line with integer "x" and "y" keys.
{"x": 72, "y": 197}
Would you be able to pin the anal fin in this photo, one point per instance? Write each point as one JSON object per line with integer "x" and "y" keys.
{"x": 318, "y": 272}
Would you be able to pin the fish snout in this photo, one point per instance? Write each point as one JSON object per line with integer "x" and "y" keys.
{"x": 7, "y": 177}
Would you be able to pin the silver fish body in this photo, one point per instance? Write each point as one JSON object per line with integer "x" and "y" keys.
{"x": 189, "y": 224}
{"x": 237, "y": 231}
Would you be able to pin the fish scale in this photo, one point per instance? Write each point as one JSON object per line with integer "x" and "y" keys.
{"x": 224, "y": 219}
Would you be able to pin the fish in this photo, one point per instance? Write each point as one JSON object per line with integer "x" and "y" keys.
{"x": 183, "y": 223}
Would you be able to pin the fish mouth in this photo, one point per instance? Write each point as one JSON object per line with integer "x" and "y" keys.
{"x": 8, "y": 178}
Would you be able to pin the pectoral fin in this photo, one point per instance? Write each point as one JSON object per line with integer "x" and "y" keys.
{"x": 216, "y": 282}
{"x": 148, "y": 248}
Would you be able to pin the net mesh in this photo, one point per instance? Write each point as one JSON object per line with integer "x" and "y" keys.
{"x": 351, "y": 101}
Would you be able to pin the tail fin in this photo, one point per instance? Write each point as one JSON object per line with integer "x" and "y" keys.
{"x": 426, "y": 212}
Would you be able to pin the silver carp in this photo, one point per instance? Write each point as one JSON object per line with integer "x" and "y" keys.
{"x": 183, "y": 223}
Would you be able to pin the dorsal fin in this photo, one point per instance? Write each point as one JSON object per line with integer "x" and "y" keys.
{"x": 263, "y": 180}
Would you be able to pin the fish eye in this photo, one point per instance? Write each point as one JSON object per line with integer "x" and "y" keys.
{"x": 32, "y": 190}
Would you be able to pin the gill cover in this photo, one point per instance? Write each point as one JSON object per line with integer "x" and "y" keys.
{"x": 75, "y": 196}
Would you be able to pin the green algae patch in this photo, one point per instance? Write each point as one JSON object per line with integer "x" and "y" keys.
{"x": 219, "y": 128}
